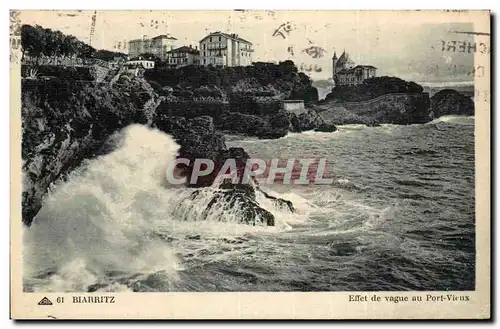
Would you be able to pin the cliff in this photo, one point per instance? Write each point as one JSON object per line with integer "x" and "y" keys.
{"x": 258, "y": 80}
{"x": 65, "y": 122}
{"x": 245, "y": 100}
{"x": 376, "y": 101}
{"x": 390, "y": 108}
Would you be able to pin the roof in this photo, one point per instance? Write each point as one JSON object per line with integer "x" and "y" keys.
{"x": 366, "y": 66}
{"x": 184, "y": 49}
{"x": 351, "y": 70}
{"x": 130, "y": 61}
{"x": 164, "y": 36}
{"x": 344, "y": 58}
{"x": 229, "y": 36}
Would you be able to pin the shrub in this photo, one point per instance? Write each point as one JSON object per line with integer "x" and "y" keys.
{"x": 372, "y": 88}
{"x": 61, "y": 72}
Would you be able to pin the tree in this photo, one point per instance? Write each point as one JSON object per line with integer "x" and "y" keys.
{"x": 36, "y": 41}
{"x": 32, "y": 40}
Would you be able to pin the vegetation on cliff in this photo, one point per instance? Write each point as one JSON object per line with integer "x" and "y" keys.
{"x": 37, "y": 41}
{"x": 372, "y": 88}
{"x": 259, "y": 80}
{"x": 60, "y": 72}
{"x": 246, "y": 100}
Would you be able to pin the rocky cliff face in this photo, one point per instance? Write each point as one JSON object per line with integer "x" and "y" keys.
{"x": 65, "y": 122}
{"x": 397, "y": 108}
{"x": 390, "y": 108}
{"x": 244, "y": 100}
{"x": 375, "y": 101}
{"x": 311, "y": 120}
{"x": 450, "y": 102}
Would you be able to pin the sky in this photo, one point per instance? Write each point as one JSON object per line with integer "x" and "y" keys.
{"x": 404, "y": 44}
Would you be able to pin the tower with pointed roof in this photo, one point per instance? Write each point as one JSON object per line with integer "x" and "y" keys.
{"x": 334, "y": 62}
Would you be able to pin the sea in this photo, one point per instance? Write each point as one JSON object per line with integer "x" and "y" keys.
{"x": 398, "y": 216}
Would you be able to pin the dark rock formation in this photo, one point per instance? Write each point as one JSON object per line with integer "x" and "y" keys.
{"x": 267, "y": 127}
{"x": 236, "y": 198}
{"x": 451, "y": 102}
{"x": 326, "y": 128}
{"x": 311, "y": 120}
{"x": 233, "y": 196}
{"x": 400, "y": 109}
{"x": 338, "y": 115}
{"x": 275, "y": 126}
{"x": 196, "y": 136}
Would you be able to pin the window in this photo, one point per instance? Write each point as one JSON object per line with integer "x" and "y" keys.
{"x": 220, "y": 38}
{"x": 204, "y": 53}
{"x": 204, "y": 61}
{"x": 210, "y": 39}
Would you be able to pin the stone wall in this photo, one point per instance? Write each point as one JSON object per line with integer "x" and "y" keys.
{"x": 400, "y": 108}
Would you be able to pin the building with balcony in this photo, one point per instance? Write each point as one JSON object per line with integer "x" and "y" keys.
{"x": 222, "y": 49}
{"x": 183, "y": 56}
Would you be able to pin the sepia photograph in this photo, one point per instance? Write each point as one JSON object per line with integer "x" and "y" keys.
{"x": 239, "y": 151}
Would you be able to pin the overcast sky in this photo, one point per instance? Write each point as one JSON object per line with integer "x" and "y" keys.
{"x": 404, "y": 44}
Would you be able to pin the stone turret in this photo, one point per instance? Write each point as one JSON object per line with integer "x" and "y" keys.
{"x": 334, "y": 62}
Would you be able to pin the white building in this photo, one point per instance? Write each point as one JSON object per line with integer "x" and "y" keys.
{"x": 144, "y": 63}
{"x": 222, "y": 49}
{"x": 158, "y": 46}
{"x": 183, "y": 56}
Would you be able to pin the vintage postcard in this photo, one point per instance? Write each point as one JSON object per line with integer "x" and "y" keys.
{"x": 250, "y": 164}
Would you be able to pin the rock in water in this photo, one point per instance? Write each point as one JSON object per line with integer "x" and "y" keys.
{"x": 326, "y": 128}
{"x": 311, "y": 120}
{"x": 267, "y": 127}
{"x": 451, "y": 102}
{"x": 232, "y": 199}
{"x": 237, "y": 200}
{"x": 278, "y": 203}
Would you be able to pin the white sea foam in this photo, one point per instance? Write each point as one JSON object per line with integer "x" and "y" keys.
{"x": 454, "y": 119}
